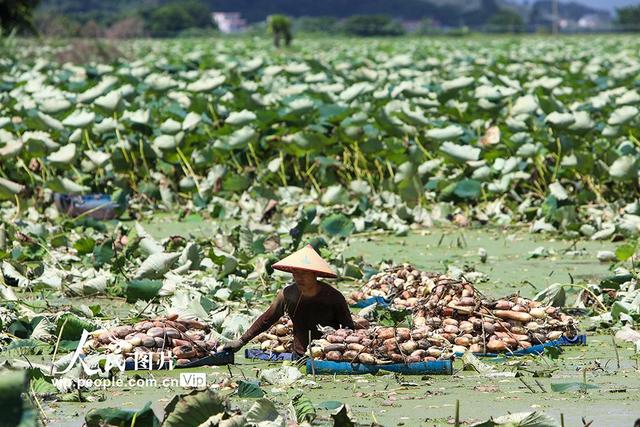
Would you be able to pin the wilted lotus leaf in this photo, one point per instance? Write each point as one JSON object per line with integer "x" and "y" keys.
{"x": 156, "y": 265}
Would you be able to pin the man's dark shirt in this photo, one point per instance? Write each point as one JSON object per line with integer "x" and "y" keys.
{"x": 327, "y": 308}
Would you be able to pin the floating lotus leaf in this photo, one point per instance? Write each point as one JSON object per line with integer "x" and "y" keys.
{"x": 468, "y": 189}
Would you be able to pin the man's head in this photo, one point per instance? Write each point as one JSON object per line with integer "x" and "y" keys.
{"x": 304, "y": 277}
{"x": 305, "y": 265}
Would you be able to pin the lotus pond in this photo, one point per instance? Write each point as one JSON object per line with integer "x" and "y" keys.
{"x": 512, "y": 162}
{"x": 427, "y": 400}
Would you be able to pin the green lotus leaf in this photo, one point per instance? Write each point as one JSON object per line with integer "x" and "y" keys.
{"x": 109, "y": 102}
{"x": 64, "y": 156}
{"x": 447, "y": 133}
{"x": 622, "y": 115}
{"x": 240, "y": 118}
{"x": 460, "y": 152}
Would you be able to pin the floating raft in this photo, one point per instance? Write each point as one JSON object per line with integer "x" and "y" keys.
{"x": 536, "y": 349}
{"x": 268, "y": 356}
{"x": 217, "y": 359}
{"x": 326, "y": 367}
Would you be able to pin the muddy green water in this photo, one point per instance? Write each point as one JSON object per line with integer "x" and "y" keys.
{"x": 418, "y": 401}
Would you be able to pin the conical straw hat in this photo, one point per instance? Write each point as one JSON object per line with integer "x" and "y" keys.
{"x": 306, "y": 259}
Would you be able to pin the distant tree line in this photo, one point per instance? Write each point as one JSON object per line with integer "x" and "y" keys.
{"x": 171, "y": 17}
{"x": 629, "y": 18}
{"x": 123, "y": 19}
{"x": 357, "y": 25}
{"x": 167, "y": 18}
{"x": 504, "y": 20}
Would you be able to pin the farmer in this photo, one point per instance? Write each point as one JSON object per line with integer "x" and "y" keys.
{"x": 308, "y": 302}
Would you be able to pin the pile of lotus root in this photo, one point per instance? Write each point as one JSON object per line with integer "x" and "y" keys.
{"x": 379, "y": 346}
{"x": 455, "y": 311}
{"x": 449, "y": 316}
{"x": 279, "y": 338}
{"x": 402, "y": 286}
{"x": 160, "y": 339}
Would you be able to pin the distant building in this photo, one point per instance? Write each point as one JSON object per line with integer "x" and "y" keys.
{"x": 588, "y": 22}
{"x": 229, "y": 22}
{"x": 594, "y": 21}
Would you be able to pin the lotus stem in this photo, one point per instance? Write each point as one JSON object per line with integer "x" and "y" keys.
{"x": 55, "y": 350}
{"x": 144, "y": 159}
{"x": 85, "y": 134}
{"x": 283, "y": 175}
{"x": 190, "y": 171}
